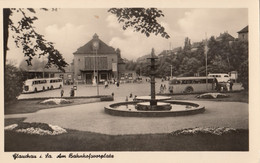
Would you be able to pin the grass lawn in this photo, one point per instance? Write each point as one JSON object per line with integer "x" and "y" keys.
{"x": 87, "y": 141}
{"x": 241, "y": 96}
{"x": 30, "y": 106}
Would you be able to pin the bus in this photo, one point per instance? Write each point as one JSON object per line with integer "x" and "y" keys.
{"x": 36, "y": 85}
{"x": 221, "y": 77}
{"x": 192, "y": 84}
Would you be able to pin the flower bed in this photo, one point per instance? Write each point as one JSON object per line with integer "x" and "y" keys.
{"x": 56, "y": 101}
{"x": 212, "y": 95}
{"x": 200, "y": 130}
{"x": 36, "y": 128}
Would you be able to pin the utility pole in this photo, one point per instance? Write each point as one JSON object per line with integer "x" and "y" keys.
{"x": 206, "y": 55}
{"x": 171, "y": 71}
{"x": 97, "y": 74}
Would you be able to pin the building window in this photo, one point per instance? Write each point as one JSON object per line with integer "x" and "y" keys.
{"x": 104, "y": 76}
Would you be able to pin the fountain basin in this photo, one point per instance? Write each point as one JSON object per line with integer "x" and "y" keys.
{"x": 179, "y": 108}
{"x": 148, "y": 98}
{"x": 158, "y": 107}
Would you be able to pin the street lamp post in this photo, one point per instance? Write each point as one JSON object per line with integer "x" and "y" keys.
{"x": 206, "y": 60}
{"x": 95, "y": 46}
{"x": 97, "y": 74}
{"x": 171, "y": 71}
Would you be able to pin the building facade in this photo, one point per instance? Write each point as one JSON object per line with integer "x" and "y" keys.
{"x": 243, "y": 34}
{"x": 96, "y": 62}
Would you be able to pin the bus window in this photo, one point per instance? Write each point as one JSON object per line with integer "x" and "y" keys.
{"x": 188, "y": 81}
{"x": 210, "y": 80}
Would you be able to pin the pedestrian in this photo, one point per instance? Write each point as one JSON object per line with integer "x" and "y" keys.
{"x": 231, "y": 85}
{"x": 72, "y": 92}
{"x": 61, "y": 93}
{"x": 117, "y": 84}
{"x": 164, "y": 88}
{"x": 217, "y": 85}
{"x": 126, "y": 99}
{"x": 228, "y": 85}
{"x": 161, "y": 88}
{"x": 131, "y": 95}
{"x": 135, "y": 98}
{"x": 106, "y": 84}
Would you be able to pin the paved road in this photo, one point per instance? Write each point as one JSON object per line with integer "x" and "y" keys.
{"x": 91, "y": 117}
{"x": 142, "y": 89}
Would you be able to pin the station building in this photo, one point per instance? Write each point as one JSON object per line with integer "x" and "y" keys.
{"x": 96, "y": 61}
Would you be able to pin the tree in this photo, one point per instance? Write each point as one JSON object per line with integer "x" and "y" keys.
{"x": 141, "y": 19}
{"x": 187, "y": 44}
{"x": 243, "y": 74}
{"x": 26, "y": 37}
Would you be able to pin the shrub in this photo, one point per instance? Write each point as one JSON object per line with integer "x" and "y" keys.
{"x": 107, "y": 98}
{"x": 13, "y": 83}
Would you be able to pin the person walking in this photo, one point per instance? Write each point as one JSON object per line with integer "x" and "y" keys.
{"x": 161, "y": 88}
{"x": 228, "y": 85}
{"x": 231, "y": 85}
{"x": 164, "y": 88}
{"x": 106, "y": 84}
{"x": 72, "y": 92}
{"x": 61, "y": 93}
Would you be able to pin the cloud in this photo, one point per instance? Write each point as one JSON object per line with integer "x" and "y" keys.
{"x": 135, "y": 44}
{"x": 68, "y": 38}
{"x": 112, "y": 22}
{"x": 197, "y": 22}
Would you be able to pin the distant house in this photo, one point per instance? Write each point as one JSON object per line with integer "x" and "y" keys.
{"x": 38, "y": 70}
{"x": 169, "y": 52}
{"x": 96, "y": 61}
{"x": 143, "y": 59}
{"x": 243, "y": 34}
{"x": 128, "y": 76}
{"x": 225, "y": 36}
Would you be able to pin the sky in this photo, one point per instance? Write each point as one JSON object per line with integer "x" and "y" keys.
{"x": 69, "y": 29}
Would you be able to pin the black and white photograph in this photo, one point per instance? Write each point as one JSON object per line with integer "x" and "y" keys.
{"x": 89, "y": 83}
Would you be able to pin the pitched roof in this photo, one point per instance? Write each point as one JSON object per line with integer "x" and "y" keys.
{"x": 103, "y": 48}
{"x": 244, "y": 30}
{"x": 225, "y": 35}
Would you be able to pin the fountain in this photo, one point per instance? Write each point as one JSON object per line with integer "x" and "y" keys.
{"x": 153, "y": 106}
{"x": 152, "y": 102}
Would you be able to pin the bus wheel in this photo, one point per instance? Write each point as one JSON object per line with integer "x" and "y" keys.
{"x": 189, "y": 90}
{"x": 35, "y": 90}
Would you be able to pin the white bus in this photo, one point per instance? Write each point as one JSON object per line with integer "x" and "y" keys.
{"x": 192, "y": 84}
{"x": 36, "y": 85}
{"x": 221, "y": 77}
